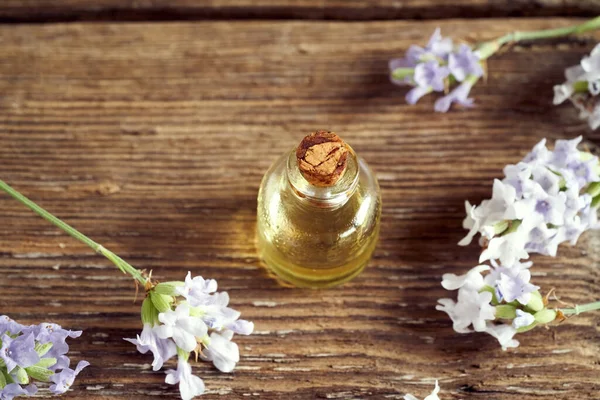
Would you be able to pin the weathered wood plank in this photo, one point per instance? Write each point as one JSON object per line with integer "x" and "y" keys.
{"x": 134, "y": 10}
{"x": 152, "y": 139}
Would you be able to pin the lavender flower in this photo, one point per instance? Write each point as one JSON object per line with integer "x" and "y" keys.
{"x": 18, "y": 352}
{"x": 181, "y": 317}
{"x": 64, "y": 379}
{"x": 546, "y": 199}
{"x": 502, "y": 303}
{"x": 464, "y": 62}
{"x": 523, "y": 319}
{"x": 190, "y": 385}
{"x": 182, "y": 327}
{"x": 430, "y": 69}
{"x": 582, "y": 87}
{"x": 162, "y": 349}
{"x": 36, "y": 352}
{"x": 13, "y": 390}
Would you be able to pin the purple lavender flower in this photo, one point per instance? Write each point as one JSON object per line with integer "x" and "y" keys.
{"x": 162, "y": 349}
{"x": 19, "y": 352}
{"x": 582, "y": 172}
{"x": 438, "y": 48}
{"x": 513, "y": 284}
{"x": 48, "y": 332}
{"x": 23, "y": 346}
{"x": 197, "y": 290}
{"x": 13, "y": 390}
{"x": 541, "y": 240}
{"x": 565, "y": 152}
{"x": 464, "y": 62}
{"x": 10, "y": 326}
{"x": 64, "y": 379}
{"x": 431, "y": 74}
{"x": 459, "y": 95}
{"x": 428, "y": 70}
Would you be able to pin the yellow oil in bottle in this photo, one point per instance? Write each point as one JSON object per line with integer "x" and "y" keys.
{"x": 317, "y": 236}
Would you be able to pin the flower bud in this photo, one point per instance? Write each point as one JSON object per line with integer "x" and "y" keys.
{"x": 490, "y": 289}
{"x": 21, "y": 376}
{"x": 162, "y": 302}
{"x": 506, "y": 311}
{"x": 593, "y": 189}
{"x": 168, "y": 288}
{"x": 39, "y": 373}
{"x": 42, "y": 349}
{"x": 545, "y": 316}
{"x": 46, "y": 362}
{"x": 149, "y": 312}
{"x": 500, "y": 227}
{"x": 536, "y": 303}
{"x": 527, "y": 328}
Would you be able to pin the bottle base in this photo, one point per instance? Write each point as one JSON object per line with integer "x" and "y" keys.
{"x": 297, "y": 276}
{"x": 313, "y": 279}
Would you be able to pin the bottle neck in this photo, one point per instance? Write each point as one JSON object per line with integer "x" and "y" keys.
{"x": 328, "y": 196}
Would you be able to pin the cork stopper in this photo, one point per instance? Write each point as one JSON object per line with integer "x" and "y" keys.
{"x": 322, "y": 158}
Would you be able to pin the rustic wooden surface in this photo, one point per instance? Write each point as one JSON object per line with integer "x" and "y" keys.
{"x": 152, "y": 138}
{"x": 136, "y": 10}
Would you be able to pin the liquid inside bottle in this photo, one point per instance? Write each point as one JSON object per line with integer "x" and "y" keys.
{"x": 313, "y": 236}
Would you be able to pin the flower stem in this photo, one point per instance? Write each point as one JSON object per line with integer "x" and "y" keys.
{"x": 581, "y": 308}
{"x": 118, "y": 261}
{"x": 489, "y": 48}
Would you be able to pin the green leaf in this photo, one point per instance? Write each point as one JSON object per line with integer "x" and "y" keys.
{"x": 162, "y": 302}
{"x": 39, "y": 373}
{"x": 149, "y": 312}
{"x": 46, "y": 362}
{"x": 42, "y": 349}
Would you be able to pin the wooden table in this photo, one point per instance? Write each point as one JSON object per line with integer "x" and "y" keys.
{"x": 148, "y": 126}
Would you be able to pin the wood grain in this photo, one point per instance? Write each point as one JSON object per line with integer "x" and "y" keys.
{"x": 136, "y": 10}
{"x": 152, "y": 138}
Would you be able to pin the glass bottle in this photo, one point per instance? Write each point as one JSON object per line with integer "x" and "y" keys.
{"x": 318, "y": 231}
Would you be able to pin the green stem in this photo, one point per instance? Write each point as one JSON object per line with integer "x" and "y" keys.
{"x": 118, "y": 261}
{"x": 489, "y": 48}
{"x": 581, "y": 308}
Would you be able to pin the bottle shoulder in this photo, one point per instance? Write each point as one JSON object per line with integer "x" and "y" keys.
{"x": 279, "y": 204}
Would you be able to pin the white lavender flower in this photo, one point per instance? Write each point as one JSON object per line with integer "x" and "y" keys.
{"x": 582, "y": 86}
{"x": 433, "y": 68}
{"x": 34, "y": 353}
{"x": 548, "y": 198}
{"x": 432, "y": 396}
{"x": 162, "y": 349}
{"x": 190, "y": 316}
{"x": 190, "y": 385}
{"x": 499, "y": 301}
{"x": 523, "y": 319}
